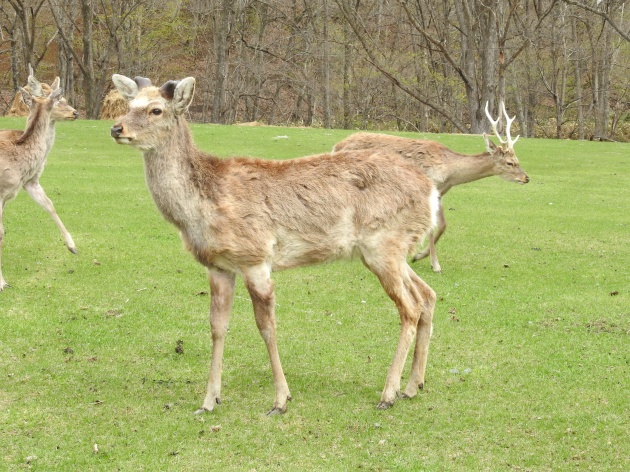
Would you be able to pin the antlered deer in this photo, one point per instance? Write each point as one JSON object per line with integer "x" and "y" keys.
{"x": 23, "y": 153}
{"x": 447, "y": 168}
{"x": 249, "y": 217}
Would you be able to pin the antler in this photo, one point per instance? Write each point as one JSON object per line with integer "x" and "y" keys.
{"x": 494, "y": 124}
{"x": 510, "y": 142}
{"x": 508, "y": 125}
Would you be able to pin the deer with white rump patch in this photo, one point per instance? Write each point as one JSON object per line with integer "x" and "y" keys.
{"x": 23, "y": 153}
{"x": 447, "y": 168}
{"x": 249, "y": 217}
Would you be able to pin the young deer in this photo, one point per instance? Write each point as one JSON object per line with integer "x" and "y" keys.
{"x": 249, "y": 217}
{"x": 23, "y": 153}
{"x": 447, "y": 168}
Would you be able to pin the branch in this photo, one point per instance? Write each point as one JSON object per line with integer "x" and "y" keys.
{"x": 352, "y": 18}
{"x": 624, "y": 34}
{"x": 541, "y": 18}
{"x": 75, "y": 55}
{"x": 438, "y": 44}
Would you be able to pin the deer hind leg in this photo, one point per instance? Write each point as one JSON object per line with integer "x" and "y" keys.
{"x": 424, "y": 329}
{"x": 261, "y": 290}
{"x": 3, "y": 283}
{"x": 401, "y": 288}
{"x": 221, "y": 298}
{"x": 434, "y": 236}
{"x": 35, "y": 190}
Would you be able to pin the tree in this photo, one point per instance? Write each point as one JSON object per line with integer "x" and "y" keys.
{"x": 100, "y": 30}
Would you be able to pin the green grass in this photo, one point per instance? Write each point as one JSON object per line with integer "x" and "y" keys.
{"x": 529, "y": 367}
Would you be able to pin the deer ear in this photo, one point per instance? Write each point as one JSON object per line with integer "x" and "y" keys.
{"x": 56, "y": 94}
{"x": 55, "y": 84}
{"x": 35, "y": 87}
{"x": 27, "y": 97}
{"x": 183, "y": 94}
{"x": 490, "y": 146}
{"x": 127, "y": 87}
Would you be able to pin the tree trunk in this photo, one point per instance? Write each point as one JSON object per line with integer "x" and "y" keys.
{"x": 220, "y": 36}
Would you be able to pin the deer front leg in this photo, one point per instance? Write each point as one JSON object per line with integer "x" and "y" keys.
{"x": 35, "y": 190}
{"x": 221, "y": 299}
{"x": 260, "y": 286}
{"x": 3, "y": 283}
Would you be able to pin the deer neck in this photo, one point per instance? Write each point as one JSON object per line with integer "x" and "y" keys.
{"x": 35, "y": 142}
{"x": 37, "y": 127}
{"x": 466, "y": 168}
{"x": 50, "y": 136}
{"x": 169, "y": 172}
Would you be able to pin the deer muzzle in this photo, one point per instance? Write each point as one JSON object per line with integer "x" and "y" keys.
{"x": 117, "y": 132}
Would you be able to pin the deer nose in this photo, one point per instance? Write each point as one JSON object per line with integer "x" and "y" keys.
{"x": 76, "y": 114}
{"x": 116, "y": 131}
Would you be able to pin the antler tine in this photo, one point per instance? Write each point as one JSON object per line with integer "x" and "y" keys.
{"x": 508, "y": 125}
{"x": 30, "y": 70}
{"x": 494, "y": 124}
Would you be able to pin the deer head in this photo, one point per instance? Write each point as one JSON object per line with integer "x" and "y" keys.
{"x": 37, "y": 97}
{"x": 152, "y": 110}
{"x": 61, "y": 110}
{"x": 506, "y": 162}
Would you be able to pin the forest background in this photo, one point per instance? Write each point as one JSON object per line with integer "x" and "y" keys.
{"x": 562, "y": 66}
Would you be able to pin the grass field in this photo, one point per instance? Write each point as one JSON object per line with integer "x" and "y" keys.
{"x": 529, "y": 367}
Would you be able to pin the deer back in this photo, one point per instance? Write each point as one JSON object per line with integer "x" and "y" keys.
{"x": 445, "y": 167}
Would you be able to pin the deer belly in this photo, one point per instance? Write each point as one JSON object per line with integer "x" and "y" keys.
{"x": 293, "y": 249}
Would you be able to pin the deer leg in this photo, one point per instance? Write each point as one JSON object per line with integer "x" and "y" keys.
{"x": 425, "y": 327}
{"x": 221, "y": 298}
{"x": 400, "y": 288}
{"x": 261, "y": 290}
{"x": 3, "y": 283}
{"x": 35, "y": 190}
{"x": 434, "y": 236}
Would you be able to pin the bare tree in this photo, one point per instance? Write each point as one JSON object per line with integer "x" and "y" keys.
{"x": 100, "y": 33}
{"x": 605, "y": 10}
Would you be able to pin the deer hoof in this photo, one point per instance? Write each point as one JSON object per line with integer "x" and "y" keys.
{"x": 382, "y": 405}
{"x": 73, "y": 250}
{"x": 277, "y": 411}
{"x": 204, "y": 408}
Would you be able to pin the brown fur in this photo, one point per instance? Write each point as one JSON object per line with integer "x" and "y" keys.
{"x": 444, "y": 167}
{"x": 251, "y": 216}
{"x": 23, "y": 153}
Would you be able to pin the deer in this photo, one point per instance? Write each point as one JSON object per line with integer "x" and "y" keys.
{"x": 249, "y": 217}
{"x": 23, "y": 153}
{"x": 447, "y": 168}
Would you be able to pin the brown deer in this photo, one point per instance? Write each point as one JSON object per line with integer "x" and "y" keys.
{"x": 447, "y": 168}
{"x": 249, "y": 217}
{"x": 23, "y": 153}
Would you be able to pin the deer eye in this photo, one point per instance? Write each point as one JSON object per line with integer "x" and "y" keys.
{"x": 156, "y": 112}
